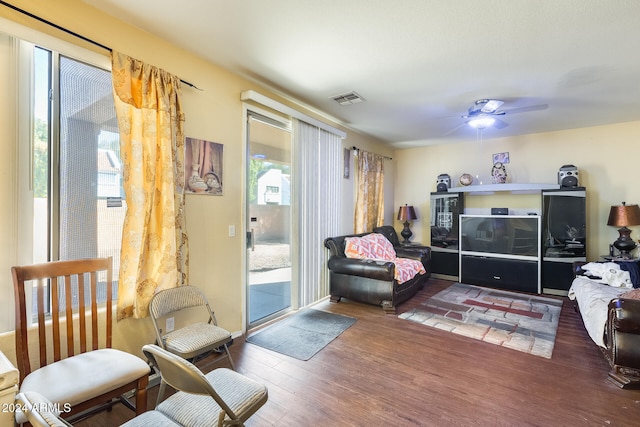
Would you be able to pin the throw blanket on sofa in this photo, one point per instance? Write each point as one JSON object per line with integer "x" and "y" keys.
{"x": 593, "y": 299}
{"x": 376, "y": 247}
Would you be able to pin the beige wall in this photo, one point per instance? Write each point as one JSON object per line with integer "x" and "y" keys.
{"x": 605, "y": 156}
{"x": 215, "y": 114}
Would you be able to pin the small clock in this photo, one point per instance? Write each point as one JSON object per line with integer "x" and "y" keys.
{"x": 498, "y": 173}
{"x": 466, "y": 179}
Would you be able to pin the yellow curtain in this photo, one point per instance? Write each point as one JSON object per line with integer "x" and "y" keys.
{"x": 154, "y": 242}
{"x": 370, "y": 197}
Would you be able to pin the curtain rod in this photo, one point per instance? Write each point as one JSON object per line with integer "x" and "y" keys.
{"x": 386, "y": 157}
{"x": 58, "y": 27}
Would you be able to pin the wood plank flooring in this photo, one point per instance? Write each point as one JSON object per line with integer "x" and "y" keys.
{"x": 384, "y": 371}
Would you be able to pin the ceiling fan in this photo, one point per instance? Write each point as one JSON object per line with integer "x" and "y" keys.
{"x": 483, "y": 113}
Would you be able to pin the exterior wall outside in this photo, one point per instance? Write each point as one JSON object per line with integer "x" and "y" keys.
{"x": 274, "y": 188}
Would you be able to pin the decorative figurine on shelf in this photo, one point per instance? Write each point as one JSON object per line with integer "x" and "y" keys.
{"x": 466, "y": 179}
{"x": 498, "y": 173}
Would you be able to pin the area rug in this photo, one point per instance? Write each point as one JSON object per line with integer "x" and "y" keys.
{"x": 303, "y": 334}
{"x": 522, "y": 322}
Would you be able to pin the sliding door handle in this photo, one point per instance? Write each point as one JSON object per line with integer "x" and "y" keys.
{"x": 250, "y": 242}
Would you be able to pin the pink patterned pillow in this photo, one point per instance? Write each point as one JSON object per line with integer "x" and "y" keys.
{"x": 371, "y": 246}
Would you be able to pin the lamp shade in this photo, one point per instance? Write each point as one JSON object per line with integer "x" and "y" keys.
{"x": 624, "y": 215}
{"x": 407, "y": 213}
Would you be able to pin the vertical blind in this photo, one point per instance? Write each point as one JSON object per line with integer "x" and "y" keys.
{"x": 318, "y": 162}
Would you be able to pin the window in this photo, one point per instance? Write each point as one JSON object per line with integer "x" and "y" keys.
{"x": 78, "y": 200}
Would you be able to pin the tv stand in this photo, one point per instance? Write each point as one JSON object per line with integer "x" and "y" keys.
{"x": 501, "y": 251}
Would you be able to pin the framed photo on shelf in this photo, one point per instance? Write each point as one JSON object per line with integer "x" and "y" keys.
{"x": 501, "y": 158}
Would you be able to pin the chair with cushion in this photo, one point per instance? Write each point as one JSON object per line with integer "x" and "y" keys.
{"x": 184, "y": 305}
{"x": 74, "y": 314}
{"x": 220, "y": 398}
{"x": 40, "y": 412}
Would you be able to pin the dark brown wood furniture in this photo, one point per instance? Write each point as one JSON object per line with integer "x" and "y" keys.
{"x": 373, "y": 281}
{"x": 76, "y": 365}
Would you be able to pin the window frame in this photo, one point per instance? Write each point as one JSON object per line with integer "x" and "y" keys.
{"x": 24, "y": 58}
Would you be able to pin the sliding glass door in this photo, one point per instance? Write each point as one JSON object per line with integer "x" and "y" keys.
{"x": 269, "y": 218}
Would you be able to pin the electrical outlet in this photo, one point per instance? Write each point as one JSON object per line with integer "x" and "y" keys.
{"x": 170, "y": 324}
{"x": 232, "y": 231}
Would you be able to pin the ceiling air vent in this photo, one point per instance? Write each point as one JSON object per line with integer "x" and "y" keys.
{"x": 348, "y": 98}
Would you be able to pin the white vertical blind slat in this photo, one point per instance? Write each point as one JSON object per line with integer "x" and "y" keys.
{"x": 319, "y": 155}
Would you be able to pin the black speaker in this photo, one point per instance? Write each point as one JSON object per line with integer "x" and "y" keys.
{"x": 443, "y": 183}
{"x": 568, "y": 176}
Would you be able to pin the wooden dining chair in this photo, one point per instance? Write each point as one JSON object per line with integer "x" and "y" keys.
{"x": 70, "y": 304}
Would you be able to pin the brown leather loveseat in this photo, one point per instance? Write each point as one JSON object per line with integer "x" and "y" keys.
{"x": 371, "y": 281}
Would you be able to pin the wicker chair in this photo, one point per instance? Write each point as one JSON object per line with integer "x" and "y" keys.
{"x": 192, "y": 339}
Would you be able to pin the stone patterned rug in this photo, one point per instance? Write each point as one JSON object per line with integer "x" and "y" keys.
{"x": 522, "y": 322}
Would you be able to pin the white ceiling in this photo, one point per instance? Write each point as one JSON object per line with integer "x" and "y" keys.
{"x": 420, "y": 63}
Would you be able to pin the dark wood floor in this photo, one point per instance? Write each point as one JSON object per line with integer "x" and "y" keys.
{"x": 384, "y": 371}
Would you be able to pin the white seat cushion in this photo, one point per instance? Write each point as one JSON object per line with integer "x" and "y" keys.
{"x": 81, "y": 377}
{"x": 194, "y": 338}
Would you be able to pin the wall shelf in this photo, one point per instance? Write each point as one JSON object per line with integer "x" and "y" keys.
{"x": 512, "y": 187}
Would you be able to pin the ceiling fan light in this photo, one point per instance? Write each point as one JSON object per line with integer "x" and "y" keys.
{"x": 491, "y": 105}
{"x": 481, "y": 122}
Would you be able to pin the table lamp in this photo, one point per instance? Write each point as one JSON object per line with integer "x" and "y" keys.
{"x": 406, "y": 214}
{"x": 624, "y": 216}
